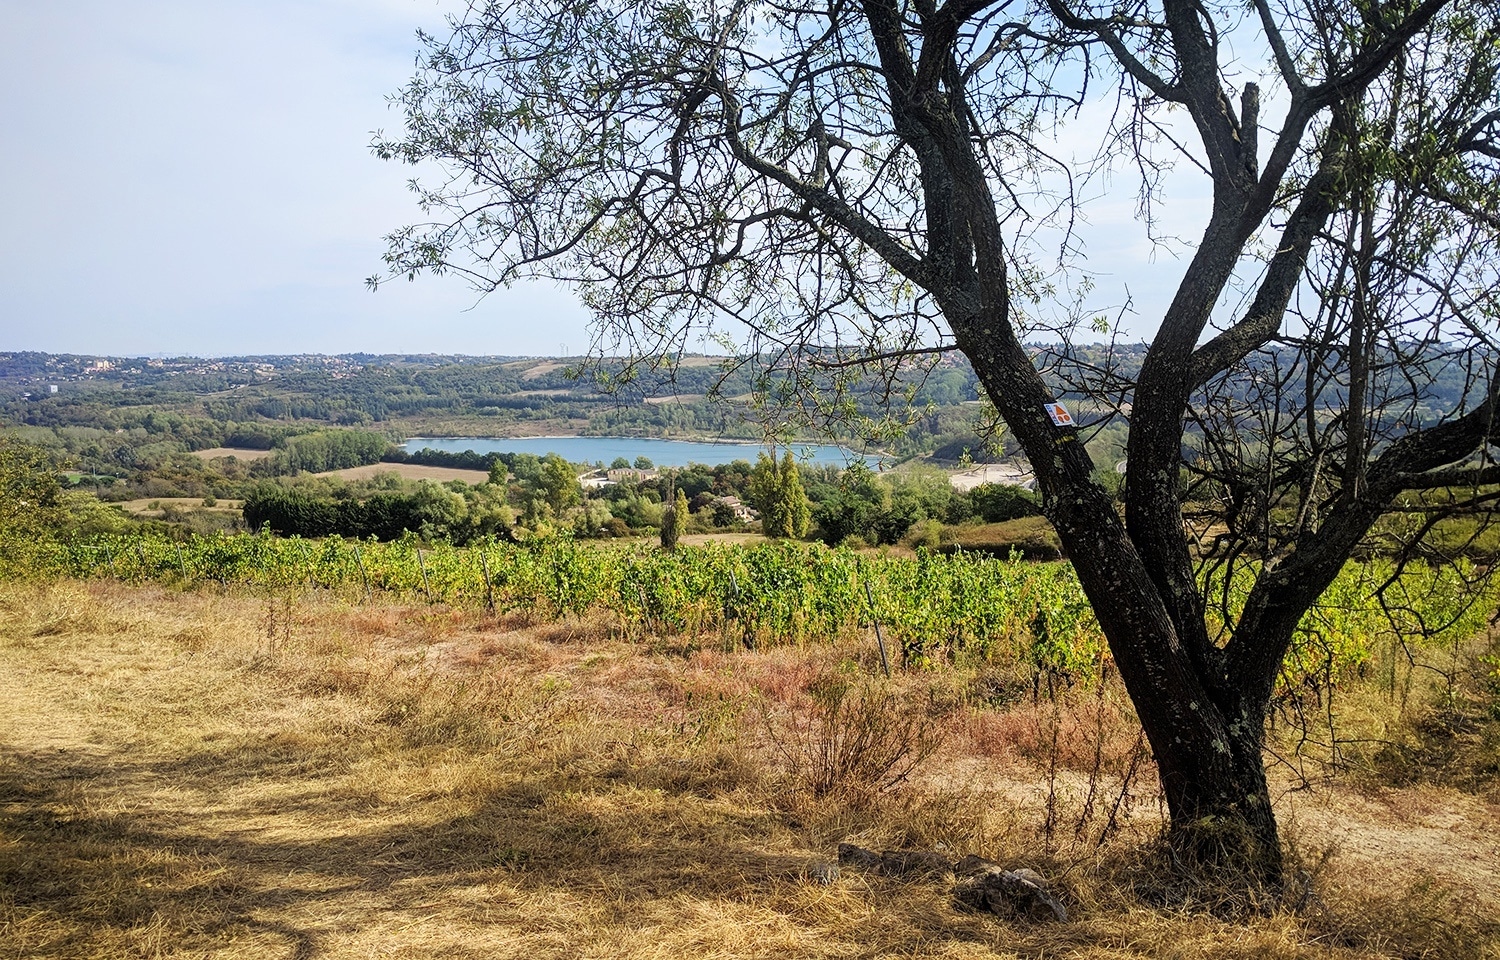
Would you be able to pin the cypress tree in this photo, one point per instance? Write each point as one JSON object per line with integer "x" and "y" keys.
{"x": 794, "y": 513}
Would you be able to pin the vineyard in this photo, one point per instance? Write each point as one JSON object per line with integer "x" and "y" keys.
{"x": 929, "y": 609}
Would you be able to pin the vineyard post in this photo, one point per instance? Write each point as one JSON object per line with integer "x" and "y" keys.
{"x": 364, "y": 578}
{"x": 181, "y": 566}
{"x": 426, "y": 584}
{"x": 109, "y": 558}
{"x": 885, "y": 664}
{"x": 645, "y": 608}
{"x": 557, "y": 579}
{"x": 489, "y": 587}
{"x": 302, "y": 551}
{"x": 747, "y": 636}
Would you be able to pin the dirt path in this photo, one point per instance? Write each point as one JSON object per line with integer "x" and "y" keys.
{"x": 1405, "y": 836}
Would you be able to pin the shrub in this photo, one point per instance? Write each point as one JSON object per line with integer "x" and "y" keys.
{"x": 999, "y": 502}
{"x": 857, "y": 740}
{"x": 924, "y": 533}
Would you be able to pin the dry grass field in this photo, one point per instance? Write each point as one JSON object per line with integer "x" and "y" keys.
{"x": 153, "y": 506}
{"x": 410, "y": 471}
{"x": 239, "y": 775}
{"x": 239, "y": 453}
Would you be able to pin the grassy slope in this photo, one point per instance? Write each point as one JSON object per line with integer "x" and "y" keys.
{"x": 239, "y": 776}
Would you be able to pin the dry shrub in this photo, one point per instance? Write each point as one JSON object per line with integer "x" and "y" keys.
{"x": 372, "y": 622}
{"x": 1076, "y": 734}
{"x": 856, "y": 740}
{"x": 1087, "y": 745}
{"x": 783, "y": 675}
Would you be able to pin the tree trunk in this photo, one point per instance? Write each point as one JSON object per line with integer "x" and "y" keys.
{"x": 1206, "y": 732}
{"x": 1222, "y": 824}
{"x": 1205, "y": 727}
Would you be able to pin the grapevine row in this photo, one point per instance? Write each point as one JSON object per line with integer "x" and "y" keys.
{"x": 933, "y": 608}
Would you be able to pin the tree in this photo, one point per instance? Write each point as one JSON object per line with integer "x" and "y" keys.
{"x": 775, "y": 490}
{"x": 762, "y": 492}
{"x": 857, "y": 507}
{"x": 674, "y": 521}
{"x": 795, "y": 514}
{"x": 31, "y": 503}
{"x": 864, "y": 186}
{"x": 998, "y": 502}
{"x": 559, "y": 482}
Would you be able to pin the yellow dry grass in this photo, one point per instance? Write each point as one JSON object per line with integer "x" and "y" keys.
{"x": 410, "y": 471}
{"x": 239, "y": 453}
{"x": 232, "y": 775}
{"x": 152, "y": 506}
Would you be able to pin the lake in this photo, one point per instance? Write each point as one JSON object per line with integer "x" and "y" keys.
{"x": 663, "y": 453}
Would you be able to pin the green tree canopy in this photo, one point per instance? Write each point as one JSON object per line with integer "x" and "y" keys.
{"x": 31, "y": 505}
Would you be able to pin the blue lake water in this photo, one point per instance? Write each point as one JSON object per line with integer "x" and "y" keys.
{"x": 663, "y": 453}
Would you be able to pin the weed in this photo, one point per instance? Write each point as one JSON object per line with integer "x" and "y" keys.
{"x": 857, "y": 739}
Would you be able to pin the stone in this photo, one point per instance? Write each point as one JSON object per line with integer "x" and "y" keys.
{"x": 915, "y": 863}
{"x": 910, "y": 864}
{"x": 858, "y": 857}
{"x": 1013, "y": 894}
{"x": 822, "y": 873}
{"x": 973, "y": 865}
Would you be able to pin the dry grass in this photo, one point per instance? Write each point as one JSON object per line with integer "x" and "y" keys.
{"x": 1032, "y": 536}
{"x": 153, "y": 506}
{"x": 248, "y": 776}
{"x": 410, "y": 471}
{"x": 239, "y": 453}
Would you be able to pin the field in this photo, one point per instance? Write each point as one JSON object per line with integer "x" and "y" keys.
{"x": 155, "y": 506}
{"x": 411, "y": 471}
{"x": 239, "y": 453}
{"x": 252, "y": 772}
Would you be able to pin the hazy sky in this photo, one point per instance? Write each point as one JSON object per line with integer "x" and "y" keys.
{"x": 195, "y": 178}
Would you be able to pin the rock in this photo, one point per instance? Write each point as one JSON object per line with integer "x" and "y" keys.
{"x": 915, "y": 863}
{"x": 973, "y": 866}
{"x": 822, "y": 873}
{"x": 896, "y": 863}
{"x": 1013, "y": 894}
{"x": 858, "y": 857}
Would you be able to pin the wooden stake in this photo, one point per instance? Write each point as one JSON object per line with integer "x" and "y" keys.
{"x": 489, "y": 587}
{"x": 426, "y": 584}
{"x": 885, "y": 664}
{"x": 364, "y": 578}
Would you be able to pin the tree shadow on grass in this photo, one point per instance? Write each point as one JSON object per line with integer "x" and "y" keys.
{"x": 104, "y": 854}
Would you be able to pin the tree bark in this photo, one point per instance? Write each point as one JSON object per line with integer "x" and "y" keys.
{"x": 1205, "y": 732}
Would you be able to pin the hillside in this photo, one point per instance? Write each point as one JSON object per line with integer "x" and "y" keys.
{"x": 269, "y": 775}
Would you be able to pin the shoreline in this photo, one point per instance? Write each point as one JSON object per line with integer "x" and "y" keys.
{"x": 613, "y": 436}
{"x": 846, "y": 454}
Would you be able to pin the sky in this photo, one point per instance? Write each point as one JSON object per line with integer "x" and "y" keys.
{"x": 193, "y": 177}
